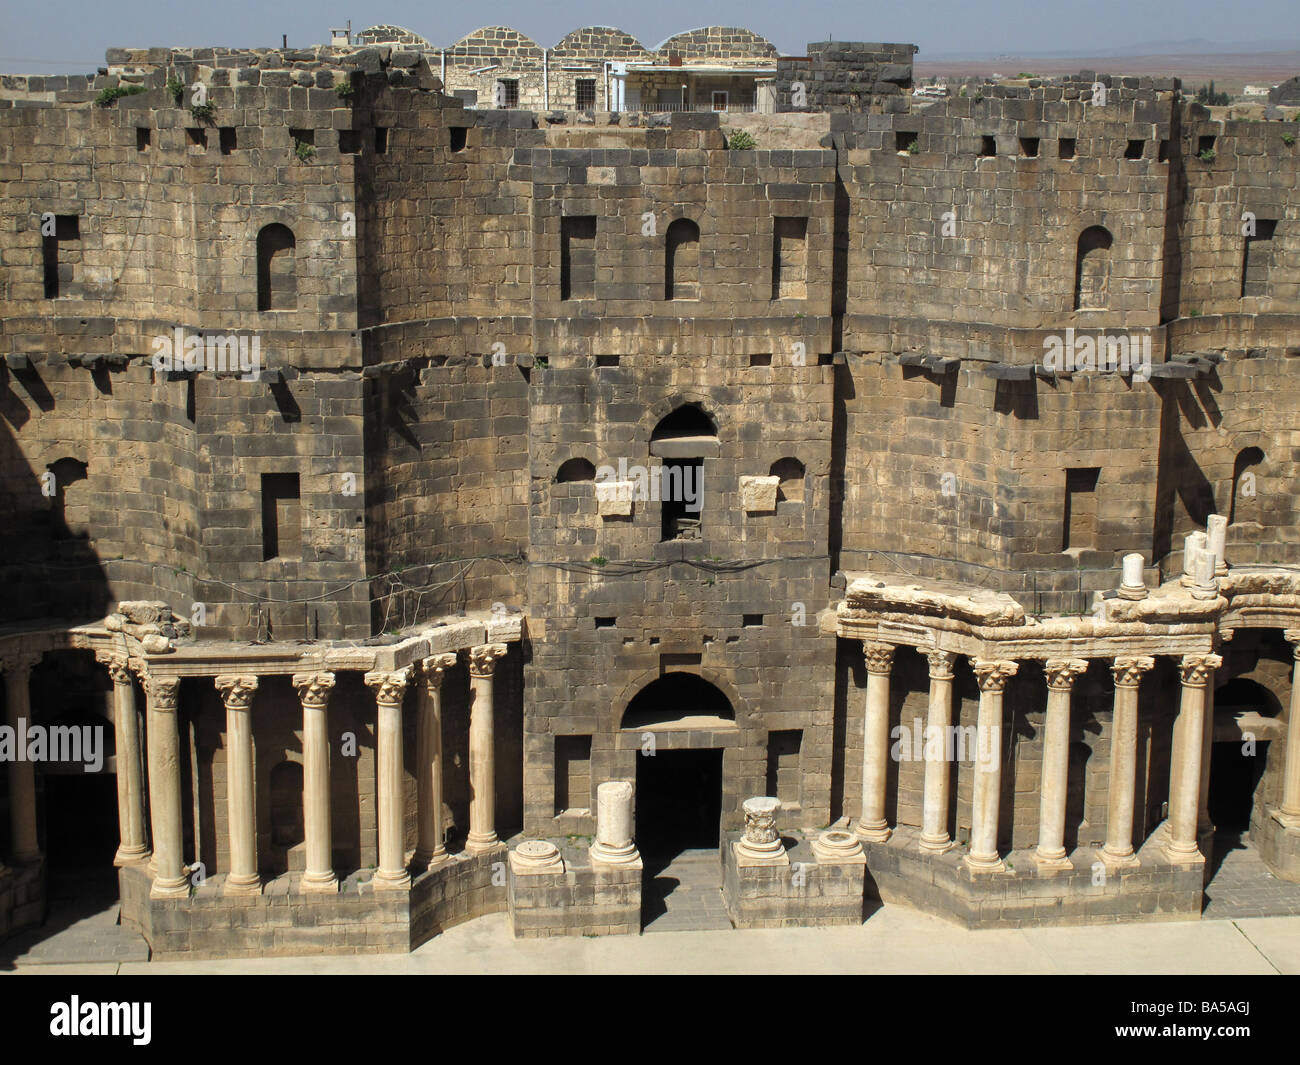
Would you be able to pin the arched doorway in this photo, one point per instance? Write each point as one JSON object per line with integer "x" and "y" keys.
{"x": 680, "y": 722}
{"x": 1245, "y": 716}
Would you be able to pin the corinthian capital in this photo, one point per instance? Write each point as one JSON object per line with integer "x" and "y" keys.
{"x": 941, "y": 663}
{"x": 18, "y": 661}
{"x": 389, "y": 687}
{"x": 879, "y": 656}
{"x": 483, "y": 659}
{"x": 1063, "y": 672}
{"x": 992, "y": 674}
{"x": 118, "y": 665}
{"x": 1292, "y": 637}
{"x": 435, "y": 668}
{"x": 1128, "y": 671}
{"x": 314, "y": 689}
{"x": 162, "y": 691}
{"x": 237, "y": 690}
{"x": 1196, "y": 669}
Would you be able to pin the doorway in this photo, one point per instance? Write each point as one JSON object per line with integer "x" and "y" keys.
{"x": 678, "y": 801}
{"x": 1234, "y": 779}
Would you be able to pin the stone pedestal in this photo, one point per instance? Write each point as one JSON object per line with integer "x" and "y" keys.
{"x": 761, "y": 842}
{"x": 614, "y": 845}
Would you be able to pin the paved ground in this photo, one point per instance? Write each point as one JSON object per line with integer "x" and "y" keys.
{"x": 684, "y": 895}
{"x": 1242, "y": 886}
{"x": 687, "y": 931}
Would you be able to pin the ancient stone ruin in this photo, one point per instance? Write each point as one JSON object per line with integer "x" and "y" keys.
{"x": 452, "y": 478}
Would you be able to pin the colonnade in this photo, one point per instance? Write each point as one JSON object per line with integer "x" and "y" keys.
{"x": 238, "y": 694}
{"x": 1189, "y": 770}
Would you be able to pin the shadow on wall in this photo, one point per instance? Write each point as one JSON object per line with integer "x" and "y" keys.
{"x": 48, "y": 565}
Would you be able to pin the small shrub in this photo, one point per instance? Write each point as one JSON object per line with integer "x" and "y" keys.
{"x": 914, "y": 146}
{"x": 202, "y": 112}
{"x": 108, "y": 97}
{"x": 175, "y": 87}
{"x": 1288, "y": 139}
{"x": 344, "y": 89}
{"x": 740, "y": 141}
{"x": 1193, "y": 314}
{"x": 304, "y": 151}
{"x": 1207, "y": 156}
{"x": 598, "y": 560}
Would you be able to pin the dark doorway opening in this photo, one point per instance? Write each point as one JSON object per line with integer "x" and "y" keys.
{"x": 1234, "y": 778}
{"x": 81, "y": 830}
{"x": 678, "y": 801}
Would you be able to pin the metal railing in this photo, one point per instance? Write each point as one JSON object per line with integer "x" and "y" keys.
{"x": 744, "y": 107}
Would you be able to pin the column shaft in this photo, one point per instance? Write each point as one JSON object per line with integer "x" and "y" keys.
{"x": 1185, "y": 771}
{"x": 132, "y": 844}
{"x": 1288, "y": 813}
{"x": 430, "y": 849}
{"x": 873, "y": 826}
{"x": 986, "y": 793}
{"x": 22, "y": 773}
{"x": 1118, "y": 849}
{"x": 482, "y": 760}
{"x": 938, "y": 751}
{"x": 390, "y": 690}
{"x": 165, "y": 787}
{"x": 1203, "y": 823}
{"x": 1061, "y": 675}
{"x": 314, "y": 691}
{"x": 237, "y": 694}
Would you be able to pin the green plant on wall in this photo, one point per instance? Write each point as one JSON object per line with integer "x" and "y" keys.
{"x": 304, "y": 151}
{"x": 110, "y": 96}
{"x": 739, "y": 141}
{"x": 175, "y": 88}
{"x": 202, "y": 112}
{"x": 1207, "y": 156}
{"x": 344, "y": 89}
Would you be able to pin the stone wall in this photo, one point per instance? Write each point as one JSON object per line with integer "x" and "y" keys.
{"x": 843, "y": 76}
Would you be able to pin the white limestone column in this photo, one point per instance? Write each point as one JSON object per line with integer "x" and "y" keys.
{"x": 314, "y": 691}
{"x": 237, "y": 695}
{"x": 1288, "y": 813}
{"x": 482, "y": 835}
{"x": 614, "y": 845}
{"x": 390, "y": 690}
{"x": 22, "y": 773}
{"x": 1061, "y": 675}
{"x": 934, "y": 812}
{"x": 986, "y": 792}
{"x": 1118, "y": 848}
{"x": 430, "y": 850}
{"x": 1185, "y": 772}
{"x": 1203, "y": 823}
{"x": 872, "y": 826}
{"x": 164, "y": 746}
{"x": 132, "y": 845}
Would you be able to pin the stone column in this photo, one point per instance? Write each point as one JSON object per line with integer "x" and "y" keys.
{"x": 1118, "y": 849}
{"x": 614, "y": 844}
{"x": 986, "y": 792}
{"x": 938, "y": 748}
{"x": 1288, "y": 813}
{"x": 430, "y": 850}
{"x": 22, "y": 773}
{"x": 164, "y": 746}
{"x": 237, "y": 695}
{"x": 390, "y": 689}
{"x": 132, "y": 846}
{"x": 482, "y": 834}
{"x": 1203, "y": 823}
{"x": 314, "y": 691}
{"x": 1061, "y": 675}
{"x": 761, "y": 841}
{"x": 872, "y": 825}
{"x": 1185, "y": 772}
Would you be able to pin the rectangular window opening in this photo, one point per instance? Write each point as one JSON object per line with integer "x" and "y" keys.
{"x": 584, "y": 92}
{"x": 143, "y": 138}
{"x": 753, "y": 621}
{"x": 1065, "y": 147}
{"x": 790, "y": 259}
{"x": 456, "y": 137}
{"x": 281, "y": 516}
{"x": 1257, "y": 258}
{"x": 197, "y": 137}
{"x": 507, "y": 93}
{"x": 606, "y": 623}
{"x": 1205, "y": 144}
{"x": 1135, "y": 149}
{"x": 606, "y": 360}
{"x": 349, "y": 141}
{"x": 1029, "y": 147}
{"x": 1080, "y": 518}
{"x": 578, "y": 257}
{"x": 59, "y": 262}
{"x": 761, "y": 360}
{"x": 988, "y": 146}
{"x": 1163, "y": 154}
{"x": 381, "y": 140}
{"x": 227, "y": 139}
{"x": 572, "y": 774}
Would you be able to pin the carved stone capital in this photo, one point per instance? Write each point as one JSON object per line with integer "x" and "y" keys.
{"x": 483, "y": 659}
{"x": 1292, "y": 637}
{"x": 879, "y": 656}
{"x": 390, "y": 688}
{"x": 19, "y": 661}
{"x": 434, "y": 668}
{"x": 941, "y": 663}
{"x": 1128, "y": 671}
{"x": 1196, "y": 669}
{"x": 314, "y": 689}
{"x": 237, "y": 690}
{"x": 119, "y": 666}
{"x": 992, "y": 674}
{"x": 162, "y": 691}
{"x": 1063, "y": 672}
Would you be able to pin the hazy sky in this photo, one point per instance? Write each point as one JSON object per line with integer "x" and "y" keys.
{"x": 51, "y": 36}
